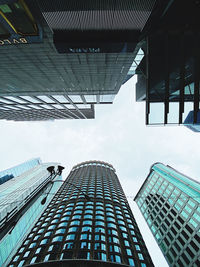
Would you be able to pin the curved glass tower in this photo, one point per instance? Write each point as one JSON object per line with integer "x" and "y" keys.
{"x": 88, "y": 222}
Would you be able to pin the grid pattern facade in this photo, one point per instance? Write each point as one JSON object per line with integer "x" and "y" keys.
{"x": 170, "y": 203}
{"x": 90, "y": 219}
{"x": 44, "y": 107}
{"x": 16, "y": 214}
{"x": 92, "y": 70}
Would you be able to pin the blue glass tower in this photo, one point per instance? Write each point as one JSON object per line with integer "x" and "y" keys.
{"x": 87, "y": 223}
{"x": 20, "y": 202}
{"x": 170, "y": 203}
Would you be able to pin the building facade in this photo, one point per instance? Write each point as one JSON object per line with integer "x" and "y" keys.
{"x": 87, "y": 223}
{"x": 60, "y": 58}
{"x": 20, "y": 202}
{"x": 170, "y": 203}
{"x": 17, "y": 170}
{"x": 168, "y": 75}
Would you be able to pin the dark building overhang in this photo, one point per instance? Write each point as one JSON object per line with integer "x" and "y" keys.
{"x": 171, "y": 71}
{"x": 78, "y": 263}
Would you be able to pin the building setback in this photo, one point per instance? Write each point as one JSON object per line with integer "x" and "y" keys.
{"x": 20, "y": 202}
{"x": 88, "y": 223}
{"x": 58, "y": 59}
{"x": 170, "y": 203}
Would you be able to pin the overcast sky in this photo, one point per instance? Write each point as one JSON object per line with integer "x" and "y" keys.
{"x": 117, "y": 135}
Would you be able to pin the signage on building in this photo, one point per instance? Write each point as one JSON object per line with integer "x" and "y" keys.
{"x": 84, "y": 50}
{"x": 13, "y": 41}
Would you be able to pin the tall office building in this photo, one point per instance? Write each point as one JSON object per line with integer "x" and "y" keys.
{"x": 170, "y": 203}
{"x": 58, "y": 59}
{"x": 20, "y": 202}
{"x": 168, "y": 75}
{"x": 87, "y": 223}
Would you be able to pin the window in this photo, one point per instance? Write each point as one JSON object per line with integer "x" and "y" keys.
{"x": 137, "y": 247}
{"x": 44, "y": 241}
{"x": 59, "y": 231}
{"x": 87, "y": 222}
{"x": 123, "y": 228}
{"x": 128, "y": 252}
{"x": 99, "y": 212}
{"x": 110, "y": 219}
{"x": 85, "y": 245}
{"x": 140, "y": 256}
{"x": 86, "y": 229}
{"x": 21, "y": 249}
{"x": 58, "y": 238}
{"x": 126, "y": 243}
{"x": 99, "y": 223}
{"x": 89, "y": 211}
{"x": 19, "y": 18}
{"x": 76, "y": 217}
{"x": 36, "y": 237}
{"x": 85, "y": 236}
{"x": 99, "y": 230}
{"x": 75, "y": 222}
{"x": 60, "y": 225}
{"x": 38, "y": 251}
{"x": 100, "y": 237}
{"x": 32, "y": 245}
{"x": 70, "y": 237}
{"x": 112, "y": 225}
{"x": 117, "y": 258}
{"x": 88, "y": 216}
{"x": 69, "y": 245}
{"x": 112, "y": 232}
{"x": 131, "y": 262}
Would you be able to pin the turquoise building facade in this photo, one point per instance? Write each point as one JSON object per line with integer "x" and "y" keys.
{"x": 20, "y": 202}
{"x": 170, "y": 204}
{"x": 17, "y": 170}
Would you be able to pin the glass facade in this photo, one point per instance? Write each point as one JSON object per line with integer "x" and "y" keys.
{"x": 20, "y": 203}
{"x": 17, "y": 170}
{"x": 168, "y": 79}
{"x": 170, "y": 203}
{"x": 89, "y": 218}
{"x": 68, "y": 64}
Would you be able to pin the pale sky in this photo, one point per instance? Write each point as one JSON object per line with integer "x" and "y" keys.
{"x": 117, "y": 135}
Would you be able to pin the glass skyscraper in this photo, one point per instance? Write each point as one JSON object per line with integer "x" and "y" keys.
{"x": 170, "y": 203}
{"x": 88, "y": 222}
{"x": 20, "y": 202}
{"x": 58, "y": 59}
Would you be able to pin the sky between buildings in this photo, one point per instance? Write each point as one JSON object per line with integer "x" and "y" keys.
{"x": 117, "y": 135}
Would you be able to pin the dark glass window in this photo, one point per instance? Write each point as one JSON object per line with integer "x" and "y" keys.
{"x": 3, "y": 31}
{"x": 69, "y": 245}
{"x": 19, "y": 17}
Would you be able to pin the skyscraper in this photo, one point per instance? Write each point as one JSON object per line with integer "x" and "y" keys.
{"x": 60, "y": 58}
{"x": 168, "y": 75}
{"x": 20, "y": 202}
{"x": 170, "y": 203}
{"x": 88, "y": 222}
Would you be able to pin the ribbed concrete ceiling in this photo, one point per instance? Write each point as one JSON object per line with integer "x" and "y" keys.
{"x": 96, "y": 14}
